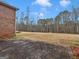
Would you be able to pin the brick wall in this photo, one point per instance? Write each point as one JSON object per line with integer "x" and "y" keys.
{"x": 7, "y": 21}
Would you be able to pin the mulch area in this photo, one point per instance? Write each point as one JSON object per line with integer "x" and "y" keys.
{"x": 75, "y": 51}
{"x": 26, "y": 49}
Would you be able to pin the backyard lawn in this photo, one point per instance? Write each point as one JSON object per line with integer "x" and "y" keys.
{"x": 35, "y": 45}
{"x": 53, "y": 38}
{"x": 67, "y": 40}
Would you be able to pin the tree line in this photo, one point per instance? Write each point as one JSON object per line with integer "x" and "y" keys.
{"x": 65, "y": 22}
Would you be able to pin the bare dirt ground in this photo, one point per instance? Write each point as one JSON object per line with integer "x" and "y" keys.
{"x": 26, "y": 49}
{"x": 57, "y": 38}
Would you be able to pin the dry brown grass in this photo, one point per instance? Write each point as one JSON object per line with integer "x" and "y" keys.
{"x": 58, "y": 38}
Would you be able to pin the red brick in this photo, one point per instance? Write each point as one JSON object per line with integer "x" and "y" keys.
{"x": 7, "y": 21}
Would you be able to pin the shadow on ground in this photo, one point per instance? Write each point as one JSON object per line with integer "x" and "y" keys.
{"x": 14, "y": 49}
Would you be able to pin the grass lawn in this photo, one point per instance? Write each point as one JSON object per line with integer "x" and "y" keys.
{"x": 53, "y": 38}
{"x": 66, "y": 40}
